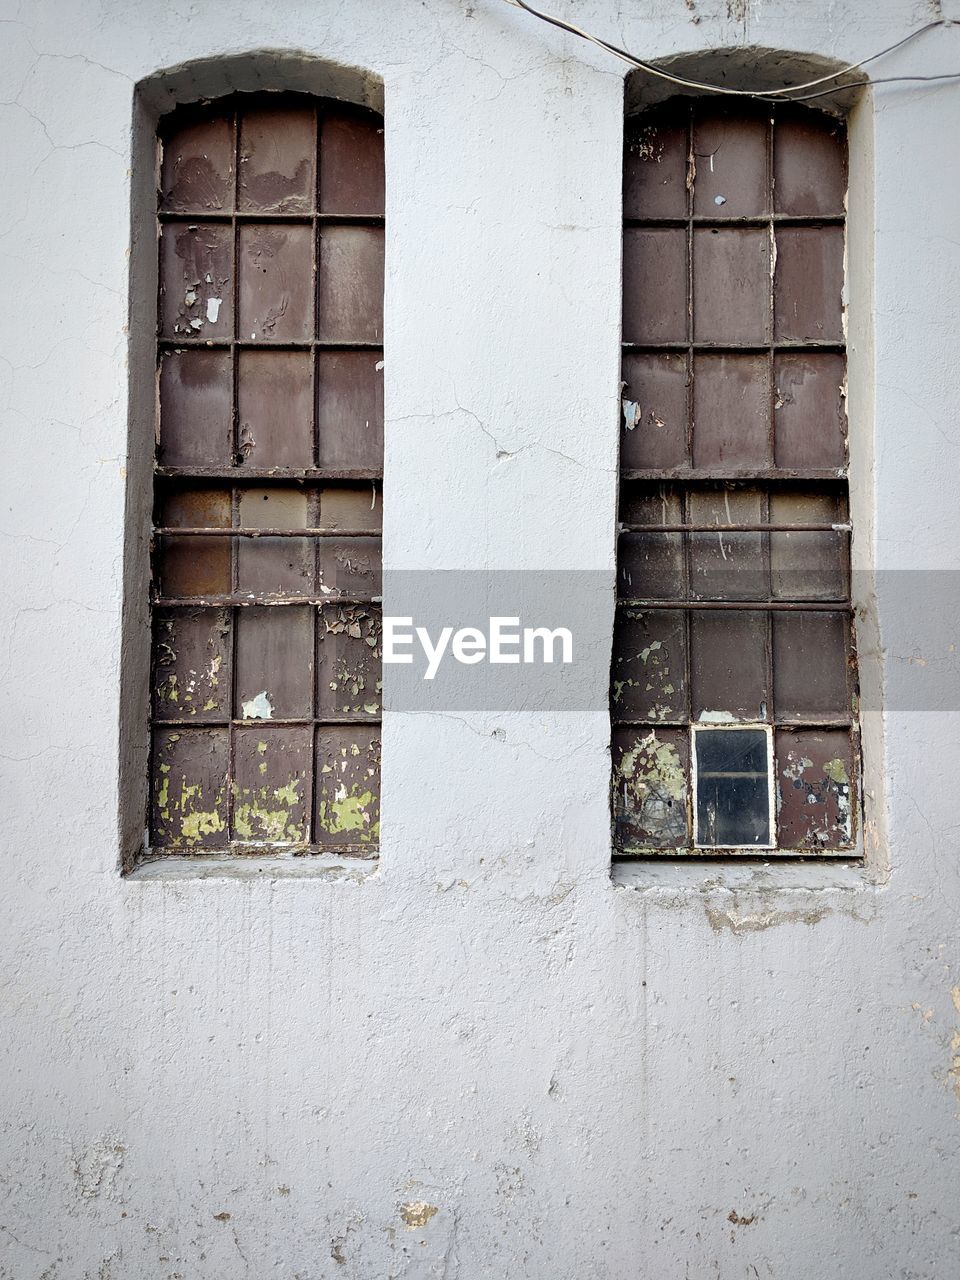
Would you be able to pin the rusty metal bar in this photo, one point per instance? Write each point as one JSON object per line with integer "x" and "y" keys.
{"x": 243, "y": 473}
{"x": 292, "y": 344}
{"x": 713, "y": 475}
{"x": 800, "y": 606}
{"x": 242, "y": 602}
{"x": 722, "y": 348}
{"x": 753, "y": 220}
{"x": 173, "y": 531}
{"x": 717, "y": 528}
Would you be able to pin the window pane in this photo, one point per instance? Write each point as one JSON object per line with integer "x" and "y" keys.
{"x": 189, "y": 796}
{"x": 807, "y": 565}
{"x": 192, "y": 665}
{"x": 350, "y": 410}
{"x": 655, "y": 168}
{"x": 275, "y": 663}
{"x": 808, "y": 284}
{"x": 275, "y": 566}
{"x": 730, "y": 155}
{"x": 731, "y": 412}
{"x": 728, "y": 664}
{"x": 650, "y": 566}
{"x": 351, "y": 164}
{"x": 196, "y": 409}
{"x": 651, "y": 788}
{"x": 655, "y": 411}
{"x": 351, "y": 507}
{"x": 196, "y": 280}
{"x": 348, "y": 788}
{"x": 810, "y": 409}
{"x": 733, "y": 787}
{"x": 194, "y": 566}
{"x": 278, "y": 149}
{"x": 197, "y": 168}
{"x": 276, "y": 276}
{"x": 349, "y": 661}
{"x": 654, "y": 285}
{"x": 351, "y": 284}
{"x": 810, "y": 653}
{"x": 731, "y": 285}
{"x": 810, "y": 164}
{"x": 727, "y": 566}
{"x": 649, "y": 666}
{"x": 275, "y": 405}
{"x": 815, "y": 789}
{"x": 271, "y": 795}
{"x": 351, "y": 567}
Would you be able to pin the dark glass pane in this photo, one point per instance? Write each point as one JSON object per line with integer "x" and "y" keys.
{"x": 348, "y": 788}
{"x": 648, "y": 676}
{"x": 728, "y": 664}
{"x": 654, "y": 285}
{"x": 809, "y": 163}
{"x": 351, "y": 284}
{"x": 815, "y": 789}
{"x": 197, "y": 169}
{"x": 276, "y": 279}
{"x": 650, "y": 566}
{"x": 807, "y": 565}
{"x": 642, "y": 503}
{"x": 196, "y": 280}
{"x": 349, "y": 654}
{"x": 196, "y": 409}
{"x": 350, "y": 410}
{"x": 351, "y": 567}
{"x": 731, "y": 412}
{"x": 655, "y": 411}
{"x": 810, "y": 662}
{"x": 810, "y": 409}
{"x": 808, "y": 284}
{"x": 191, "y": 664}
{"x": 275, "y": 406}
{"x": 345, "y": 506}
{"x": 278, "y": 149}
{"x": 188, "y": 810}
{"x": 655, "y": 167}
{"x": 731, "y": 285}
{"x": 733, "y": 787}
{"x": 726, "y": 566}
{"x": 275, "y": 566}
{"x": 275, "y": 663}
{"x": 730, "y": 158}
{"x": 351, "y": 164}
{"x": 271, "y": 793}
{"x": 194, "y": 566}
{"x": 651, "y": 788}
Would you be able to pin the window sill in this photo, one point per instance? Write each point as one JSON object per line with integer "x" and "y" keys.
{"x": 326, "y": 867}
{"x": 704, "y": 875}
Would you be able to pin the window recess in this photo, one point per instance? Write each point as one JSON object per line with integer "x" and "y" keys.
{"x": 268, "y": 480}
{"x": 733, "y": 684}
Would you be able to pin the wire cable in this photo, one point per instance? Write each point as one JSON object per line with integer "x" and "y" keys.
{"x": 768, "y": 95}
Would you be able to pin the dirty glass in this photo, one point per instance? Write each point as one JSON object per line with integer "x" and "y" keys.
{"x": 733, "y": 787}
{"x": 734, "y": 621}
{"x": 266, "y": 560}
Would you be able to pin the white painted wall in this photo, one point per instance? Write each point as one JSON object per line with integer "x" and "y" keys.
{"x": 249, "y": 1077}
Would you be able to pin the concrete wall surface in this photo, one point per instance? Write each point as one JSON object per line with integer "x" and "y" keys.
{"x": 487, "y": 1057}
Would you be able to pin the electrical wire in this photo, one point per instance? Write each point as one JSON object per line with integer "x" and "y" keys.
{"x": 768, "y": 95}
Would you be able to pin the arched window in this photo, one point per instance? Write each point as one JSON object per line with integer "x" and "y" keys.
{"x": 267, "y": 489}
{"x": 733, "y": 693}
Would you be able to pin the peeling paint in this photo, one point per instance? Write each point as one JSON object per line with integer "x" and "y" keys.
{"x": 417, "y": 1213}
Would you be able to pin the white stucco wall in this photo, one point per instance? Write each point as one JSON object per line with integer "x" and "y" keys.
{"x": 699, "y": 1073}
